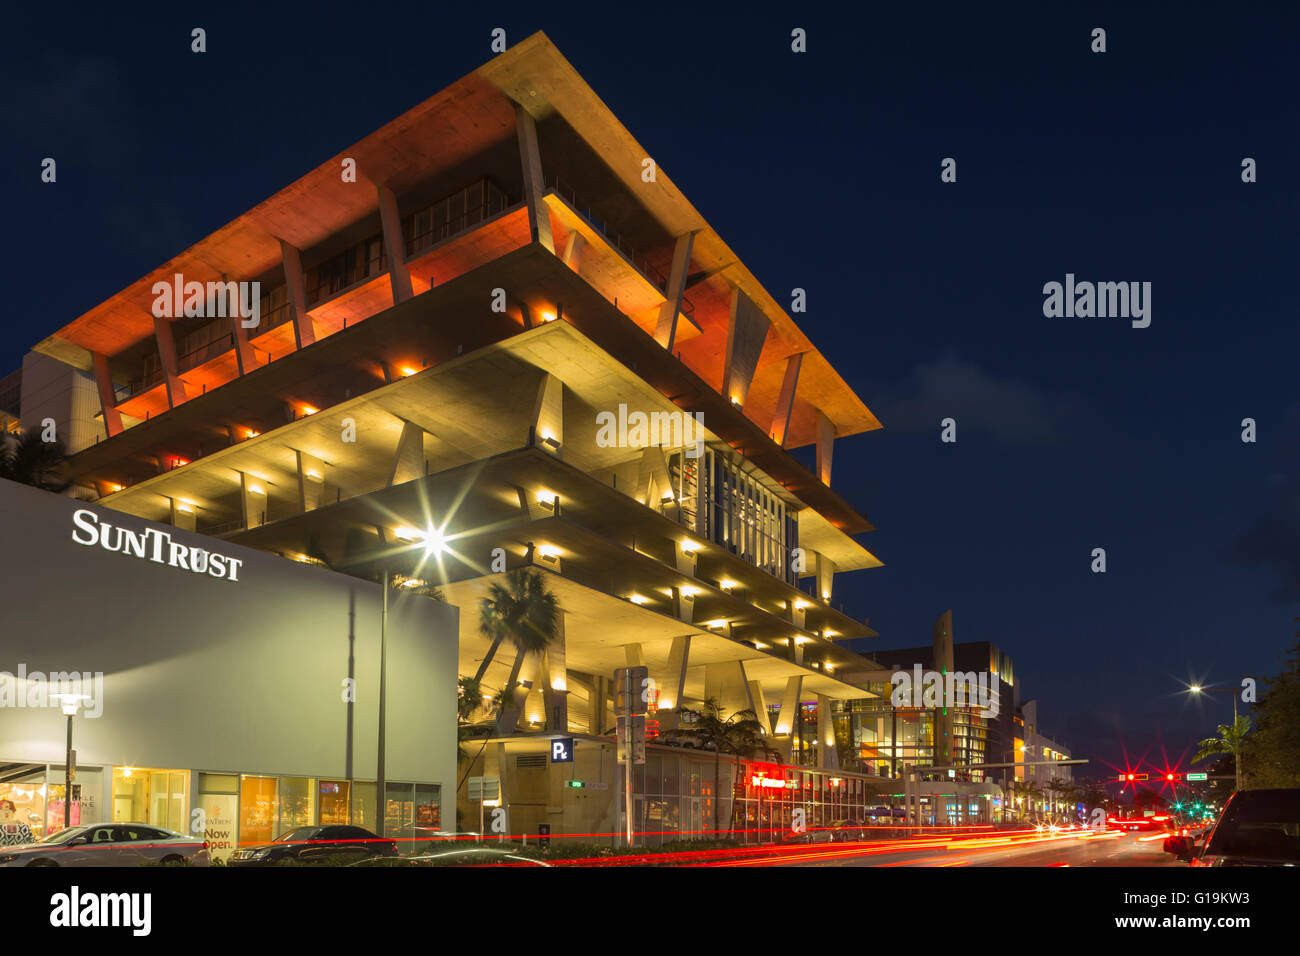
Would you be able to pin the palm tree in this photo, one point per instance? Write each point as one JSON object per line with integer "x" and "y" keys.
{"x": 26, "y": 459}
{"x": 1060, "y": 790}
{"x": 741, "y": 734}
{"x": 1231, "y": 740}
{"x": 527, "y": 615}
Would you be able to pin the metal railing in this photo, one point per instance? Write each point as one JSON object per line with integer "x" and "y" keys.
{"x": 616, "y": 239}
{"x": 443, "y": 225}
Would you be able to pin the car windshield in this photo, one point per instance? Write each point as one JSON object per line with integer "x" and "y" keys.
{"x": 62, "y": 836}
{"x": 1262, "y": 823}
{"x": 298, "y": 835}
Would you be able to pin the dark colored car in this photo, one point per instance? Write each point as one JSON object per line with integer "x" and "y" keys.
{"x": 335, "y": 845}
{"x": 1256, "y": 828}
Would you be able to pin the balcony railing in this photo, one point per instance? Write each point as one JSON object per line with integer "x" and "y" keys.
{"x": 616, "y": 239}
{"x": 452, "y": 215}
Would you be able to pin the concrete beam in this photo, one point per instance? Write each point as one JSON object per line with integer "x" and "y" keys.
{"x": 555, "y": 683}
{"x": 408, "y": 460}
{"x": 252, "y": 498}
{"x": 825, "y": 575}
{"x": 539, "y": 216}
{"x": 746, "y": 333}
{"x": 760, "y": 706}
{"x": 825, "y": 447}
{"x": 399, "y": 276}
{"x": 727, "y": 683}
{"x": 107, "y": 396}
{"x": 245, "y": 355}
{"x": 162, "y": 330}
{"x": 304, "y": 333}
{"x": 666, "y": 327}
{"x": 785, "y": 401}
{"x": 673, "y": 686}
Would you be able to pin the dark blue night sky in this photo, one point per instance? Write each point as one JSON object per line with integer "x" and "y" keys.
{"x": 822, "y": 171}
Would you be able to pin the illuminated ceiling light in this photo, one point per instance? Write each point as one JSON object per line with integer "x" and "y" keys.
{"x": 690, "y": 548}
{"x": 548, "y": 316}
{"x": 407, "y": 371}
{"x": 434, "y": 543}
{"x": 256, "y": 490}
{"x": 638, "y": 599}
{"x": 800, "y": 605}
{"x": 727, "y": 584}
{"x": 735, "y": 401}
{"x": 412, "y": 583}
{"x": 251, "y": 433}
{"x": 547, "y": 499}
{"x": 801, "y": 640}
{"x": 830, "y": 633}
{"x": 112, "y": 487}
{"x": 309, "y": 410}
{"x": 720, "y": 622}
{"x": 406, "y": 534}
{"x": 690, "y": 590}
{"x": 760, "y": 646}
{"x": 667, "y": 496}
{"x": 548, "y": 552}
{"x": 548, "y": 438}
{"x": 314, "y": 475}
{"x": 826, "y": 595}
{"x": 184, "y": 507}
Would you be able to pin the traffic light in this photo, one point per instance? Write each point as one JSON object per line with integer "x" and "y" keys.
{"x": 1171, "y": 776}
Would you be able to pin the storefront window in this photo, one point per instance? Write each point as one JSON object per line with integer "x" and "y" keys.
{"x": 22, "y": 809}
{"x": 258, "y": 810}
{"x": 145, "y": 795}
{"x": 219, "y": 803}
{"x": 363, "y": 805}
{"x": 334, "y": 799}
{"x": 428, "y": 808}
{"x": 399, "y": 810}
{"x": 297, "y": 802}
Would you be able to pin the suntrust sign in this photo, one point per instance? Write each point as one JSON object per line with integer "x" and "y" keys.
{"x": 151, "y": 545}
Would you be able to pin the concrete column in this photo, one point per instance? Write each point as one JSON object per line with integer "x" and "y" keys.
{"x": 107, "y": 397}
{"x": 598, "y": 706}
{"x": 162, "y": 329}
{"x": 311, "y": 481}
{"x": 539, "y": 216}
{"x": 635, "y": 656}
{"x": 760, "y": 705}
{"x": 253, "y": 498}
{"x": 245, "y": 357}
{"x": 548, "y": 415}
{"x": 684, "y": 605}
{"x": 573, "y": 251}
{"x": 408, "y": 460}
{"x": 304, "y": 333}
{"x": 183, "y": 515}
{"x": 555, "y": 684}
{"x": 399, "y": 276}
{"x": 666, "y": 327}
{"x": 825, "y": 575}
{"x": 828, "y": 755}
{"x": 524, "y": 671}
{"x": 673, "y": 685}
{"x": 785, "y": 720}
{"x": 746, "y": 333}
{"x": 825, "y": 446}
{"x": 785, "y": 401}
{"x": 652, "y": 479}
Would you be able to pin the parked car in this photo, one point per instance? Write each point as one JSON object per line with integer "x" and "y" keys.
{"x": 844, "y": 831}
{"x": 336, "y": 845}
{"x": 683, "y": 738}
{"x": 108, "y": 844}
{"x": 1256, "y": 828}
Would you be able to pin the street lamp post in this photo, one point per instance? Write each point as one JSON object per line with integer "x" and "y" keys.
{"x": 1236, "y": 754}
{"x": 69, "y": 703}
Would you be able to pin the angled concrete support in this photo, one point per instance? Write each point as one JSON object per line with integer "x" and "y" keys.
{"x": 555, "y": 683}
{"x": 666, "y": 327}
{"x": 785, "y": 720}
{"x": 311, "y": 481}
{"x": 635, "y": 656}
{"x": 399, "y": 276}
{"x": 520, "y": 685}
{"x": 785, "y": 401}
{"x": 548, "y": 415}
{"x": 746, "y": 334}
{"x": 539, "y": 216}
{"x": 653, "y": 483}
{"x": 825, "y": 447}
{"x": 598, "y": 706}
{"x": 408, "y": 460}
{"x": 673, "y": 685}
{"x": 245, "y": 357}
{"x": 828, "y": 755}
{"x": 253, "y": 497}
{"x": 107, "y": 397}
{"x": 162, "y": 330}
{"x": 825, "y": 575}
{"x": 573, "y": 250}
{"x": 304, "y": 333}
{"x": 760, "y": 706}
{"x": 727, "y": 683}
